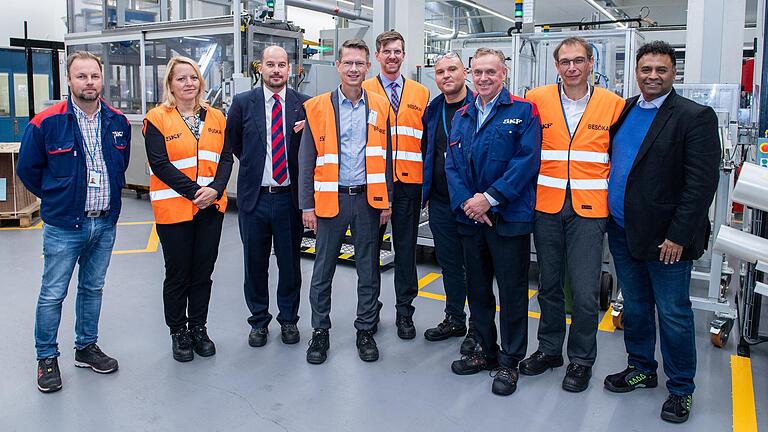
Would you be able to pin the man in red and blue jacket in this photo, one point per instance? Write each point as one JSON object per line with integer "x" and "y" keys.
{"x": 493, "y": 159}
{"x": 73, "y": 157}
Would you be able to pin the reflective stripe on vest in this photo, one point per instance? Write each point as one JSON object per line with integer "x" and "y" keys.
{"x": 322, "y": 122}
{"x": 197, "y": 159}
{"x": 407, "y": 128}
{"x": 582, "y": 162}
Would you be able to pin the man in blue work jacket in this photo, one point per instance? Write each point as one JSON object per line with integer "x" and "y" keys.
{"x": 492, "y": 163}
{"x": 73, "y": 157}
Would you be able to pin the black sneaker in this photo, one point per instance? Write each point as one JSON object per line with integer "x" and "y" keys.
{"x": 181, "y": 346}
{"x": 319, "y": 345}
{"x": 48, "y": 375}
{"x": 258, "y": 337}
{"x": 366, "y": 346}
{"x": 289, "y": 333}
{"x": 504, "y": 380}
{"x": 538, "y": 363}
{"x": 405, "y": 327}
{"x": 676, "y": 409}
{"x": 630, "y": 379}
{"x": 473, "y": 363}
{"x": 92, "y": 357}
{"x": 446, "y": 329}
{"x": 577, "y": 378}
{"x": 471, "y": 343}
{"x": 201, "y": 343}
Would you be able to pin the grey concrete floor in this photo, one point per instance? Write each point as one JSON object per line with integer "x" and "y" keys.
{"x": 273, "y": 388}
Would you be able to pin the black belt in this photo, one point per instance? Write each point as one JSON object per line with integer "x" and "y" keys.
{"x": 96, "y": 213}
{"x": 351, "y": 190}
{"x": 275, "y": 189}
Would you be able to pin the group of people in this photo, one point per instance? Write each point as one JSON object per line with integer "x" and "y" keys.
{"x": 566, "y": 164}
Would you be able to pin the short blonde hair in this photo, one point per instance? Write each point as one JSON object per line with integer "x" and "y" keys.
{"x": 169, "y": 100}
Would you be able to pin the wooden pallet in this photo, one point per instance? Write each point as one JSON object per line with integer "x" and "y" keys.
{"x": 24, "y": 218}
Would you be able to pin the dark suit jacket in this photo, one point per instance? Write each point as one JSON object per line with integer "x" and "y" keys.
{"x": 247, "y": 131}
{"x": 673, "y": 179}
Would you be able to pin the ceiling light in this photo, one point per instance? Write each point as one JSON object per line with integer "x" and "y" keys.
{"x": 605, "y": 12}
{"x": 486, "y": 10}
{"x": 347, "y": 2}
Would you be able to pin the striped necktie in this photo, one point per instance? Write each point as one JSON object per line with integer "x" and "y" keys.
{"x": 395, "y": 98}
{"x": 279, "y": 167}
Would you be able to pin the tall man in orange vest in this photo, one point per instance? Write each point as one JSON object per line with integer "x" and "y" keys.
{"x": 409, "y": 101}
{"x": 345, "y": 180}
{"x": 571, "y": 210}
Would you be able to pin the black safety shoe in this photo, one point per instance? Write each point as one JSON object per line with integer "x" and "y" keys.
{"x": 504, "y": 380}
{"x": 676, "y": 409}
{"x": 630, "y": 379}
{"x": 538, "y": 363}
{"x": 92, "y": 357}
{"x": 201, "y": 343}
{"x": 289, "y": 333}
{"x": 448, "y": 328}
{"x": 473, "y": 363}
{"x": 577, "y": 378}
{"x": 181, "y": 346}
{"x": 319, "y": 345}
{"x": 471, "y": 343}
{"x": 366, "y": 346}
{"x": 48, "y": 375}
{"x": 258, "y": 337}
{"x": 405, "y": 327}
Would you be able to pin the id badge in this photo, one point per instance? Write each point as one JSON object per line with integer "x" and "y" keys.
{"x": 94, "y": 179}
{"x": 372, "y": 116}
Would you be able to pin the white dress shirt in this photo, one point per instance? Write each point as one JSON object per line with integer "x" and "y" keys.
{"x": 269, "y": 102}
{"x": 574, "y": 109}
{"x": 656, "y": 103}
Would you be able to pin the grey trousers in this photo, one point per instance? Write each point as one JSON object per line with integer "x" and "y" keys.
{"x": 567, "y": 241}
{"x": 363, "y": 221}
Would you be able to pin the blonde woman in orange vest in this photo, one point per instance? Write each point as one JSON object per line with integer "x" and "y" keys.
{"x": 345, "y": 181}
{"x": 409, "y": 101}
{"x": 190, "y": 167}
{"x": 571, "y": 211}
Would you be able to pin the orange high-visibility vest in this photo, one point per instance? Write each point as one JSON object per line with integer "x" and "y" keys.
{"x": 581, "y": 162}
{"x": 197, "y": 159}
{"x": 406, "y": 129}
{"x": 322, "y": 122}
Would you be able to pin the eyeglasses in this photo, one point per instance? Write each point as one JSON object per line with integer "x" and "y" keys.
{"x": 578, "y": 61}
{"x": 348, "y": 65}
{"x": 448, "y": 55}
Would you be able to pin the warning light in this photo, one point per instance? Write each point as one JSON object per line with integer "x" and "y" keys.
{"x": 764, "y": 147}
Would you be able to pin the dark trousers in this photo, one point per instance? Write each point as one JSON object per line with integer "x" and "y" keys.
{"x": 189, "y": 250}
{"x": 568, "y": 242}
{"x": 508, "y": 258}
{"x": 363, "y": 221}
{"x": 443, "y": 224}
{"x": 406, "y": 208}
{"x": 274, "y": 218}
{"x": 651, "y": 287}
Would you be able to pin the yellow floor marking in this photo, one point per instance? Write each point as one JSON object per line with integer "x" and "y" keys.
{"x": 345, "y": 255}
{"x": 40, "y": 225}
{"x": 744, "y": 415}
{"x": 531, "y": 293}
{"x": 606, "y": 324}
{"x": 428, "y": 279}
{"x": 310, "y": 250}
{"x": 152, "y": 243}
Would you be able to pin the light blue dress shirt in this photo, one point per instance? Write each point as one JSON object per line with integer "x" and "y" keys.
{"x": 352, "y": 136}
{"x": 482, "y": 114}
{"x": 386, "y": 83}
{"x": 656, "y": 103}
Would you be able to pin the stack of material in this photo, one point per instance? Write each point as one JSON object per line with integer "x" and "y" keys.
{"x": 16, "y": 202}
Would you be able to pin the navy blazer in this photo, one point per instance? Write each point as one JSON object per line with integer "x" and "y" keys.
{"x": 247, "y": 131}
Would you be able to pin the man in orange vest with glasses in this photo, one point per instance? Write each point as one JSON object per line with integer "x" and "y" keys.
{"x": 345, "y": 181}
{"x": 571, "y": 210}
{"x": 409, "y": 101}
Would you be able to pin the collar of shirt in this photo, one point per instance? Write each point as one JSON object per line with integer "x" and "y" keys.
{"x": 488, "y": 107}
{"x": 268, "y": 94}
{"x": 656, "y": 103}
{"x": 386, "y": 81}
{"x": 343, "y": 99}
{"x": 583, "y": 101}
{"x": 79, "y": 113}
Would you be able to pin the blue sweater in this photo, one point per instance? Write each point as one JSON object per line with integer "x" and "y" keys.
{"x": 626, "y": 144}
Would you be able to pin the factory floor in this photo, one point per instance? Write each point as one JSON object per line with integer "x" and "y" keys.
{"x": 273, "y": 388}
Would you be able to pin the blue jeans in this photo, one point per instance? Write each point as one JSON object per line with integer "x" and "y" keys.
{"x": 91, "y": 247}
{"x": 646, "y": 285}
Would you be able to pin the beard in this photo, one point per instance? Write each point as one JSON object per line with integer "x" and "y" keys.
{"x": 91, "y": 96}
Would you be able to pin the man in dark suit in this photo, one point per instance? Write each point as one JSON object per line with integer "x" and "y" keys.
{"x": 664, "y": 172}
{"x": 264, "y": 126}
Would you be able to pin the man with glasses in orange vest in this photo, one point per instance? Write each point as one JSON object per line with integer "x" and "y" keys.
{"x": 571, "y": 210}
{"x": 345, "y": 180}
{"x": 409, "y": 100}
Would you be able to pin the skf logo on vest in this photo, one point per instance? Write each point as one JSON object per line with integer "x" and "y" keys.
{"x": 214, "y": 131}
{"x": 414, "y": 107}
{"x": 172, "y": 136}
{"x": 598, "y": 127}
{"x": 546, "y": 125}
{"x": 512, "y": 121}
{"x": 321, "y": 138}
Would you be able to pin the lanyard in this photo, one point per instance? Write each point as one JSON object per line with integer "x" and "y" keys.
{"x": 445, "y": 125}
{"x": 98, "y": 139}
